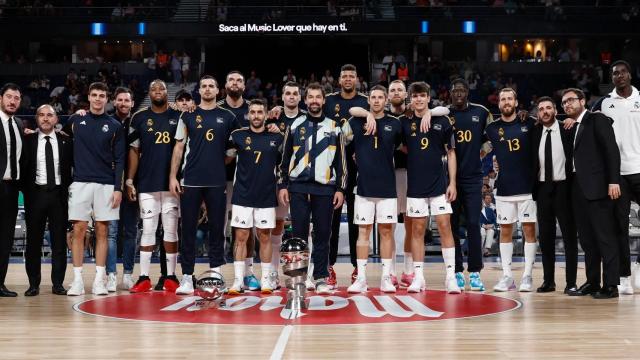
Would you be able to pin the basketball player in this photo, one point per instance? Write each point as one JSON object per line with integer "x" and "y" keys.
{"x": 203, "y": 134}
{"x": 376, "y": 198}
{"x": 254, "y": 196}
{"x": 151, "y": 138}
{"x": 514, "y": 202}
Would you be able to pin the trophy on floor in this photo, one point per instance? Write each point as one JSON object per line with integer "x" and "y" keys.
{"x": 210, "y": 287}
{"x": 294, "y": 257}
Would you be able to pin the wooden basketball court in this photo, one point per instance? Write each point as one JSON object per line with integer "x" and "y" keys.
{"x": 540, "y": 326}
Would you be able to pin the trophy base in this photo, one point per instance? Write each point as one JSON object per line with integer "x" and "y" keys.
{"x": 296, "y": 298}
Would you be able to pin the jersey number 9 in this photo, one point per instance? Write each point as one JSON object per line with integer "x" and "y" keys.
{"x": 424, "y": 143}
{"x": 162, "y": 137}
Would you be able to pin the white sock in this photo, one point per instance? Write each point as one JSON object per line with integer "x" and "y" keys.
{"x": 362, "y": 268}
{"x": 506, "y": 255}
{"x": 386, "y": 267}
{"x": 266, "y": 270}
{"x": 238, "y": 270}
{"x": 392, "y": 268}
{"x": 248, "y": 266}
{"x": 449, "y": 256}
{"x": 172, "y": 260}
{"x": 101, "y": 272}
{"x": 217, "y": 269}
{"x": 529, "y": 257}
{"x": 77, "y": 273}
{"x": 276, "y": 241}
{"x": 408, "y": 263}
{"x": 145, "y": 262}
{"x": 418, "y": 269}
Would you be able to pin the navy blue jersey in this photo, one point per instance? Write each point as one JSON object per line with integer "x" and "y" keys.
{"x": 242, "y": 116}
{"x": 283, "y": 121}
{"x": 154, "y": 136}
{"x": 374, "y": 155}
{"x": 468, "y": 127}
{"x": 399, "y": 157}
{"x": 254, "y": 183}
{"x": 207, "y": 134}
{"x": 512, "y": 146}
{"x": 337, "y": 108}
{"x": 426, "y": 173}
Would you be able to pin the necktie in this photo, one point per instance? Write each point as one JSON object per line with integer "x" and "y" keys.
{"x": 548, "y": 159}
{"x": 13, "y": 158}
{"x": 48, "y": 155}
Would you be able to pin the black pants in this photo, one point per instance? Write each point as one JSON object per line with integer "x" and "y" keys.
{"x": 8, "y": 213}
{"x": 215, "y": 201}
{"x": 599, "y": 235}
{"x": 320, "y": 209}
{"x": 42, "y": 205}
{"x": 554, "y": 202}
{"x": 349, "y": 198}
{"x": 469, "y": 201}
{"x": 630, "y": 187}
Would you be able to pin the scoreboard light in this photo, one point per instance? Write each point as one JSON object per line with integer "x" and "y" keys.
{"x": 424, "y": 26}
{"x": 97, "y": 29}
{"x": 469, "y": 27}
{"x": 142, "y": 28}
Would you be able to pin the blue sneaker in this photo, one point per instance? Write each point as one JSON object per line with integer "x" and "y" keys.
{"x": 251, "y": 283}
{"x": 460, "y": 280}
{"x": 475, "y": 283}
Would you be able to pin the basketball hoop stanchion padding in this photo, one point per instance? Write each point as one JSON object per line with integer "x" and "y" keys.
{"x": 294, "y": 257}
{"x": 210, "y": 287}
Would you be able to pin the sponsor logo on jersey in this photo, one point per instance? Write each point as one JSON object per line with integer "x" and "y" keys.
{"x": 526, "y": 215}
{"x": 524, "y": 129}
{"x": 437, "y": 127}
{"x": 475, "y": 118}
{"x": 105, "y": 128}
{"x": 272, "y": 143}
{"x": 388, "y": 128}
{"x": 220, "y": 120}
{"x": 173, "y": 122}
{"x": 263, "y": 221}
{"x": 441, "y": 208}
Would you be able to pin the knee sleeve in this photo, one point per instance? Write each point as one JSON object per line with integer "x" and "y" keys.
{"x": 170, "y": 225}
{"x": 149, "y": 227}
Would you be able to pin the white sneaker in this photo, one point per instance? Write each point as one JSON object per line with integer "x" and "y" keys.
{"x": 99, "y": 287}
{"x": 237, "y": 287}
{"x": 76, "y": 288}
{"x": 527, "y": 284}
{"x": 276, "y": 279}
{"x": 451, "y": 283}
{"x": 112, "y": 282}
{"x": 322, "y": 288}
{"x": 506, "y": 283}
{"x": 186, "y": 285}
{"x": 386, "y": 286}
{"x": 417, "y": 285}
{"x": 127, "y": 282}
{"x": 636, "y": 266}
{"x": 359, "y": 286}
{"x": 310, "y": 284}
{"x": 625, "y": 287}
{"x": 268, "y": 285}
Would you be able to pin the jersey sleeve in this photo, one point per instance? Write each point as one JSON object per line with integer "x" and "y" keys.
{"x": 231, "y": 146}
{"x": 347, "y": 131}
{"x": 449, "y": 139}
{"x": 119, "y": 157}
{"x": 133, "y": 138}
{"x": 68, "y": 127}
{"x": 181, "y": 130}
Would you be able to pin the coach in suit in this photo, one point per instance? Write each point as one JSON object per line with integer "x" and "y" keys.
{"x": 10, "y": 153}
{"x": 552, "y": 163}
{"x": 46, "y": 169}
{"x": 596, "y": 183}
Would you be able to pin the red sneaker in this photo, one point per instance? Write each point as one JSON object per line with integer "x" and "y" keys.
{"x": 171, "y": 283}
{"x": 354, "y": 275}
{"x": 406, "y": 279}
{"x": 142, "y": 285}
{"x": 332, "y": 280}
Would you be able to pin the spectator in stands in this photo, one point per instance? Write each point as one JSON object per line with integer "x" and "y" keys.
{"x": 327, "y": 81}
{"x": 488, "y": 223}
{"x": 253, "y": 85}
{"x": 289, "y": 77}
{"x": 362, "y": 85}
{"x": 176, "y": 68}
{"x": 186, "y": 67}
{"x": 162, "y": 65}
{"x": 403, "y": 72}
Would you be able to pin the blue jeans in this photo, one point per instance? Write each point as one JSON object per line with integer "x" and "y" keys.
{"x": 129, "y": 220}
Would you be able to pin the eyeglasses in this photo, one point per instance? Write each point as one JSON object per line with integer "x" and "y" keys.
{"x": 569, "y": 100}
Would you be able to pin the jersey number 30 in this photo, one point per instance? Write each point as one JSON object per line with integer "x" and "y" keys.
{"x": 464, "y": 136}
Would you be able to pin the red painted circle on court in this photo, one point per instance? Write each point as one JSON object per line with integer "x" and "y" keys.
{"x": 253, "y": 308}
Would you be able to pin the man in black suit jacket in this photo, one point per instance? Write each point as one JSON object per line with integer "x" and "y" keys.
{"x": 596, "y": 183}
{"x": 552, "y": 163}
{"x": 46, "y": 168}
{"x": 10, "y": 153}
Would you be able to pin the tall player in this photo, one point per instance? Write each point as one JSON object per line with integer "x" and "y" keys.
{"x": 98, "y": 155}
{"x": 202, "y": 136}
{"x": 151, "y": 138}
{"x": 254, "y": 196}
{"x": 428, "y": 191}
{"x": 376, "y": 198}
{"x": 511, "y": 140}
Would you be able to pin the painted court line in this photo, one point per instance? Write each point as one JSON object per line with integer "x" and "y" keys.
{"x": 281, "y": 344}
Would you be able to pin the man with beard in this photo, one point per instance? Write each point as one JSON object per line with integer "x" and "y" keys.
{"x": 10, "y": 153}
{"x": 552, "y": 146}
{"x": 511, "y": 140}
{"x": 254, "y": 197}
{"x": 595, "y": 186}
{"x": 314, "y": 177}
{"x": 151, "y": 139}
{"x": 623, "y": 106}
{"x": 203, "y": 134}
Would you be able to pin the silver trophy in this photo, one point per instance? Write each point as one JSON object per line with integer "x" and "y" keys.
{"x": 294, "y": 257}
{"x": 210, "y": 287}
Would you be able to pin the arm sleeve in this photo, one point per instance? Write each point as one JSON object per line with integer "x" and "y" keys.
{"x": 119, "y": 155}
{"x": 287, "y": 152}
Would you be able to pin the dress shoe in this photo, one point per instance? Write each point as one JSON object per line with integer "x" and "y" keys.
{"x": 570, "y": 288}
{"x": 584, "y": 290}
{"x": 546, "y": 287}
{"x": 4, "y": 292}
{"x": 32, "y": 291}
{"x": 608, "y": 292}
{"x": 58, "y": 290}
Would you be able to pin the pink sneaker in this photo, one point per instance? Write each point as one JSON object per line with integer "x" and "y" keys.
{"x": 394, "y": 281}
{"x": 406, "y": 279}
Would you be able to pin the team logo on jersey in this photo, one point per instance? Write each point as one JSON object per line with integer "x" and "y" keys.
{"x": 501, "y": 132}
{"x": 247, "y": 140}
{"x": 236, "y": 219}
{"x": 272, "y": 143}
{"x": 414, "y": 126}
{"x": 475, "y": 118}
{"x": 149, "y": 122}
{"x": 199, "y": 122}
{"x": 388, "y": 128}
{"x": 452, "y": 120}
{"x": 337, "y": 109}
{"x": 105, "y": 128}
{"x": 636, "y": 105}
{"x": 282, "y": 127}
{"x": 221, "y": 120}
{"x": 437, "y": 127}
{"x": 524, "y": 129}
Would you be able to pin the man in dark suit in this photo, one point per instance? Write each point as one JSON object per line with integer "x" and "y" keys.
{"x": 553, "y": 166}
{"x": 10, "y": 153}
{"x": 46, "y": 176}
{"x": 595, "y": 184}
